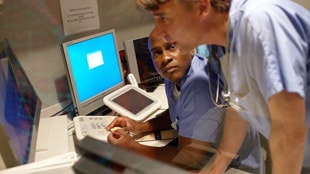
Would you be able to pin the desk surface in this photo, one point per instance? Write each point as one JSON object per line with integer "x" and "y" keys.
{"x": 62, "y": 161}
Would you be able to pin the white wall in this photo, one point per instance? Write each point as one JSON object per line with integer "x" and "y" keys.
{"x": 34, "y": 29}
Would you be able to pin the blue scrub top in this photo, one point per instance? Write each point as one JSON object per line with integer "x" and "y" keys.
{"x": 269, "y": 53}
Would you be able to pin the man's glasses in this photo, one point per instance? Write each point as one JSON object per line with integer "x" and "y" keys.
{"x": 217, "y": 83}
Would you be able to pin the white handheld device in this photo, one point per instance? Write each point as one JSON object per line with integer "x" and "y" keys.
{"x": 132, "y": 102}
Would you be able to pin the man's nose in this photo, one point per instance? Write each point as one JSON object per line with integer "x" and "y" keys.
{"x": 166, "y": 57}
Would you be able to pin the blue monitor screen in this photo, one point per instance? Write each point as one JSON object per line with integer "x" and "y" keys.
{"x": 95, "y": 65}
{"x": 93, "y": 69}
{"x": 19, "y": 108}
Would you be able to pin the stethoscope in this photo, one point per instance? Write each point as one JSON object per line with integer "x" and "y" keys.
{"x": 221, "y": 99}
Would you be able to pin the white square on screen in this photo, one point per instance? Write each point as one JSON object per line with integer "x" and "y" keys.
{"x": 94, "y": 59}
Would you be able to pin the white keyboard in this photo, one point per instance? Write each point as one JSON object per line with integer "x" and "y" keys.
{"x": 93, "y": 126}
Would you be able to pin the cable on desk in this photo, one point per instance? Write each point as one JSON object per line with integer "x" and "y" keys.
{"x": 71, "y": 129}
{"x": 153, "y": 79}
{"x": 63, "y": 109}
{"x": 70, "y": 125}
{"x": 151, "y": 84}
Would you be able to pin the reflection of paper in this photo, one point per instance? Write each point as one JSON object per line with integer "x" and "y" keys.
{"x": 79, "y": 15}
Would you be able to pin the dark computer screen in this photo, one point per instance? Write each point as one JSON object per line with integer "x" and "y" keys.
{"x": 135, "y": 106}
{"x": 140, "y": 63}
{"x": 144, "y": 60}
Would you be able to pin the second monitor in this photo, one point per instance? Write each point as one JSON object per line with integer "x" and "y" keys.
{"x": 140, "y": 63}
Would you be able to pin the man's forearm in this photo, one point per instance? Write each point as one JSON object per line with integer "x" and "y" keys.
{"x": 165, "y": 154}
{"x": 287, "y": 149}
{"x": 161, "y": 122}
{"x": 234, "y": 131}
{"x": 288, "y": 133}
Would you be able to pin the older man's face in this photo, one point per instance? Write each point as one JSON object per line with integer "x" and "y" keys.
{"x": 176, "y": 23}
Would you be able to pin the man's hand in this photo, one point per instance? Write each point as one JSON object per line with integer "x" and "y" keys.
{"x": 127, "y": 124}
{"x": 121, "y": 138}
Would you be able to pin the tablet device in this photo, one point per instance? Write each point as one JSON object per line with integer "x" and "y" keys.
{"x": 133, "y": 102}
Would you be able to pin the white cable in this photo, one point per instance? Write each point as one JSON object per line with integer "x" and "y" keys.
{"x": 132, "y": 80}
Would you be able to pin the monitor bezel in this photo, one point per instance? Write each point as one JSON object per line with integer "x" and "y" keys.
{"x": 92, "y": 104}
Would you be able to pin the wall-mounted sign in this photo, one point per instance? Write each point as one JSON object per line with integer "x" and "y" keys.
{"x": 79, "y": 15}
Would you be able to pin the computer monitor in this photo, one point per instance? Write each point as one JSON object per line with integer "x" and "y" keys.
{"x": 140, "y": 63}
{"x": 20, "y": 108}
{"x": 94, "y": 69}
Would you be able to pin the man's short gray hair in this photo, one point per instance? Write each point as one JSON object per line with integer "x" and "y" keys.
{"x": 153, "y": 5}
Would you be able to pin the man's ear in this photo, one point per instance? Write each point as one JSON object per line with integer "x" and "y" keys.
{"x": 193, "y": 52}
{"x": 204, "y": 6}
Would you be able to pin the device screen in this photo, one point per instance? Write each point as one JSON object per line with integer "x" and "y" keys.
{"x": 133, "y": 101}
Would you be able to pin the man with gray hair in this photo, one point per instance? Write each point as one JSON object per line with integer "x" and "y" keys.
{"x": 266, "y": 67}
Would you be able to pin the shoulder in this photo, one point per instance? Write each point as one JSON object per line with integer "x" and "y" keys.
{"x": 264, "y": 13}
{"x": 266, "y": 23}
{"x": 197, "y": 84}
{"x": 198, "y": 65}
{"x": 197, "y": 72}
{"x": 198, "y": 60}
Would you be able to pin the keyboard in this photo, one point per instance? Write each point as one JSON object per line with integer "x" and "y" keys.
{"x": 93, "y": 126}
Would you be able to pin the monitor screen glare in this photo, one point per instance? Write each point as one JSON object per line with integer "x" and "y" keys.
{"x": 20, "y": 108}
